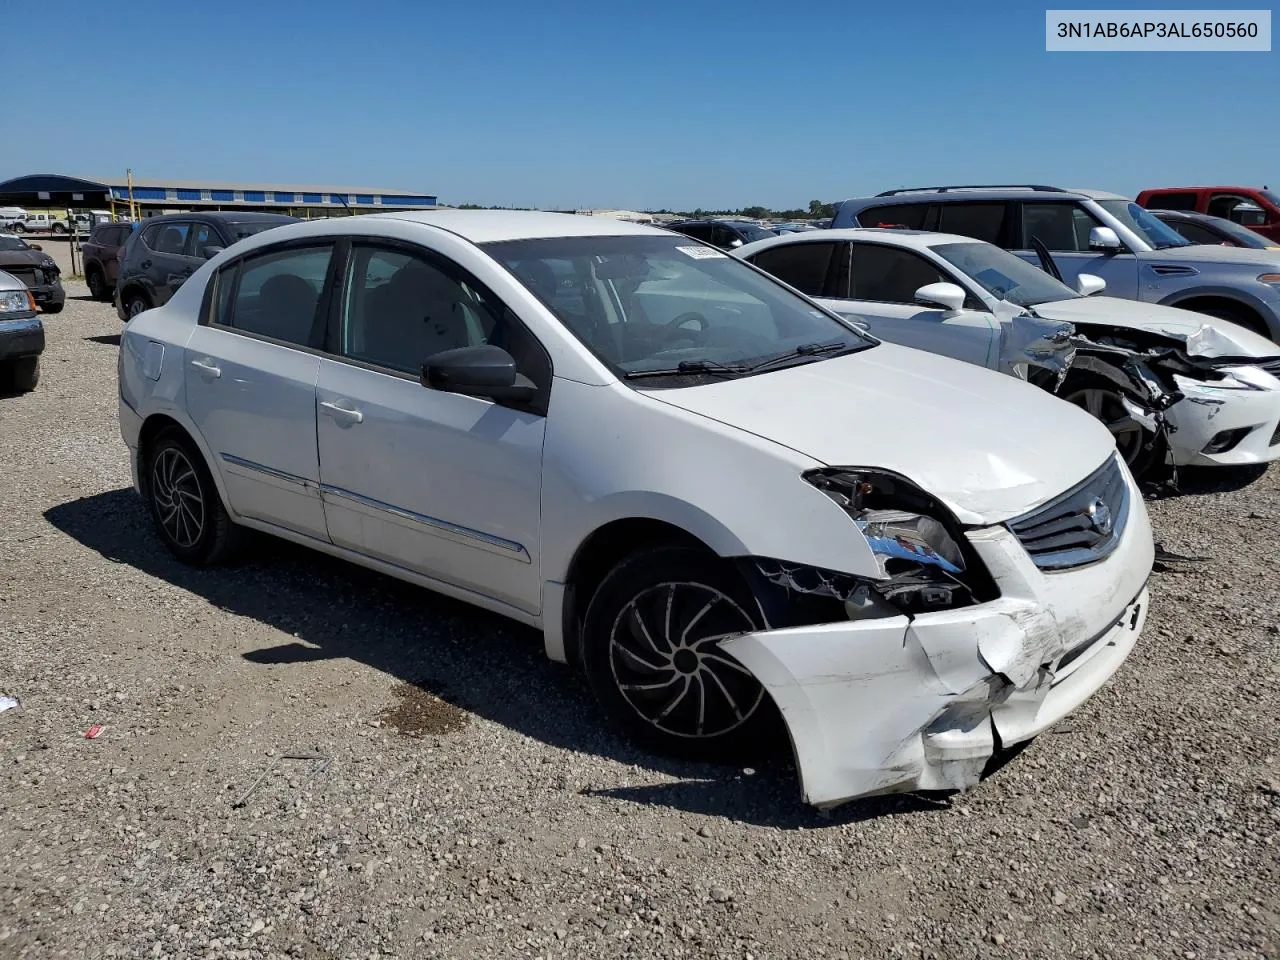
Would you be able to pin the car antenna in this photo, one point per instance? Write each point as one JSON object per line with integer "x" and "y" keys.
{"x": 343, "y": 200}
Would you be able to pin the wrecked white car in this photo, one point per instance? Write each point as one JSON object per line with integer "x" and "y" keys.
{"x": 734, "y": 511}
{"x": 1175, "y": 388}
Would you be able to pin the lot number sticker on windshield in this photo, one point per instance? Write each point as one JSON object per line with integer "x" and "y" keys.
{"x": 700, "y": 253}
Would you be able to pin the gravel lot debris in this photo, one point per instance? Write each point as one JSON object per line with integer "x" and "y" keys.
{"x": 507, "y": 822}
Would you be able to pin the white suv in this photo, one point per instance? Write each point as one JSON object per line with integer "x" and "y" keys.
{"x": 729, "y": 507}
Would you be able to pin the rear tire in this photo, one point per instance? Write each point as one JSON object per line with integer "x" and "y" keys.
{"x": 21, "y": 375}
{"x": 184, "y": 503}
{"x": 97, "y": 283}
{"x": 651, "y": 655}
{"x": 135, "y": 304}
{"x": 18, "y": 228}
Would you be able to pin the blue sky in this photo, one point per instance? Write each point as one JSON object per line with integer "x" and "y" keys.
{"x": 659, "y": 104}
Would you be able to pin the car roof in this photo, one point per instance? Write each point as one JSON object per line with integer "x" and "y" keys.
{"x": 984, "y": 193}
{"x": 224, "y": 216}
{"x": 911, "y": 239}
{"x": 491, "y": 226}
{"x": 1235, "y": 187}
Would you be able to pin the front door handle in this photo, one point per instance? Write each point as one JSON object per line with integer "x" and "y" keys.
{"x": 145, "y": 265}
{"x": 207, "y": 367}
{"x": 344, "y": 415}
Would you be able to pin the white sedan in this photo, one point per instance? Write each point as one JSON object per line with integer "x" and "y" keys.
{"x": 732, "y": 510}
{"x": 973, "y": 301}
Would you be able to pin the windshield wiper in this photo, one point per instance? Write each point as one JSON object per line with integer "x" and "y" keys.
{"x": 686, "y": 367}
{"x": 832, "y": 349}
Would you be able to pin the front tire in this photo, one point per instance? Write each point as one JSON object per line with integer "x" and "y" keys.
{"x": 650, "y": 651}
{"x": 184, "y": 503}
{"x": 21, "y": 375}
{"x": 1102, "y": 401}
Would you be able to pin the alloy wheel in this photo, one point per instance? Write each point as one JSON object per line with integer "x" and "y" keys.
{"x": 667, "y": 663}
{"x": 175, "y": 490}
{"x": 136, "y": 306}
{"x": 1107, "y": 407}
{"x": 94, "y": 280}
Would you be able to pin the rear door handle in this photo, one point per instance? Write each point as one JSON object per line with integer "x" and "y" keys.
{"x": 344, "y": 415}
{"x": 207, "y": 367}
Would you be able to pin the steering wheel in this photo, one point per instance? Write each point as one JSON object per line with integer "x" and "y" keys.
{"x": 672, "y": 326}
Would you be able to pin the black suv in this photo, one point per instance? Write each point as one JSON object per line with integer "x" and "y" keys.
{"x": 725, "y": 234}
{"x": 163, "y": 251}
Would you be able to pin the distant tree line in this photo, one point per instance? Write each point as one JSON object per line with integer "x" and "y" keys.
{"x": 816, "y": 210}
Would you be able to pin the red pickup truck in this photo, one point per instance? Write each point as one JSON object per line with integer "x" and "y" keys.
{"x": 1259, "y": 210}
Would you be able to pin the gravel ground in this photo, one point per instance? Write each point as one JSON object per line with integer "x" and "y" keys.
{"x": 470, "y": 805}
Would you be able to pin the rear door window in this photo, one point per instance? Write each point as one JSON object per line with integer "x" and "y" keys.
{"x": 171, "y": 238}
{"x": 908, "y": 215}
{"x": 890, "y": 274}
{"x": 804, "y": 266}
{"x": 982, "y": 221}
{"x": 276, "y": 295}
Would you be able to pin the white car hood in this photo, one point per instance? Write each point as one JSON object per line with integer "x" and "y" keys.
{"x": 988, "y": 445}
{"x": 1223, "y": 338}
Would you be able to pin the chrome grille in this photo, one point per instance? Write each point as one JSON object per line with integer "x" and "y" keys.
{"x": 1082, "y": 526}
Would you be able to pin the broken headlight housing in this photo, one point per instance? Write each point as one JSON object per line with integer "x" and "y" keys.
{"x": 925, "y": 563}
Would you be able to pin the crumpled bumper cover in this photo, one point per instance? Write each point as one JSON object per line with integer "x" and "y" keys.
{"x": 898, "y": 704}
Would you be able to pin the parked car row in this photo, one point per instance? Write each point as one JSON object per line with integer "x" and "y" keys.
{"x": 156, "y": 258}
{"x": 1170, "y": 385}
{"x": 18, "y": 220}
{"x": 734, "y": 510}
{"x": 28, "y": 263}
{"x": 21, "y": 336}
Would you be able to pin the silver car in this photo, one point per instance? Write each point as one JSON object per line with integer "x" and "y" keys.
{"x": 21, "y": 336}
{"x": 1088, "y": 231}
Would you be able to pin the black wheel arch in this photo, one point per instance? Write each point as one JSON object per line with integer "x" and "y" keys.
{"x": 603, "y": 550}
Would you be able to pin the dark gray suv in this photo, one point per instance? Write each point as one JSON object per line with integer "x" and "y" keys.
{"x": 164, "y": 251}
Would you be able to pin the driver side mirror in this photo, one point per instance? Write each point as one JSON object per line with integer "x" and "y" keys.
{"x": 948, "y": 296}
{"x": 1104, "y": 240}
{"x": 735, "y": 243}
{"x": 211, "y": 251}
{"x": 35, "y": 246}
{"x": 480, "y": 371}
{"x": 1087, "y": 284}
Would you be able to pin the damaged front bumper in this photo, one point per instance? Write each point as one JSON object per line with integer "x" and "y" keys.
{"x": 923, "y": 703}
{"x": 1214, "y": 426}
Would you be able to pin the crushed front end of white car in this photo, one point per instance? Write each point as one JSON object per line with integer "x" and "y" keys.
{"x": 1206, "y": 390}
{"x": 976, "y": 639}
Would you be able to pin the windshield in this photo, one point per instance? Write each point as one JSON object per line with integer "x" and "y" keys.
{"x": 1003, "y": 275}
{"x": 751, "y": 233}
{"x": 1243, "y": 236}
{"x": 12, "y": 243}
{"x": 1144, "y": 224}
{"x": 247, "y": 228}
{"x": 651, "y": 303}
